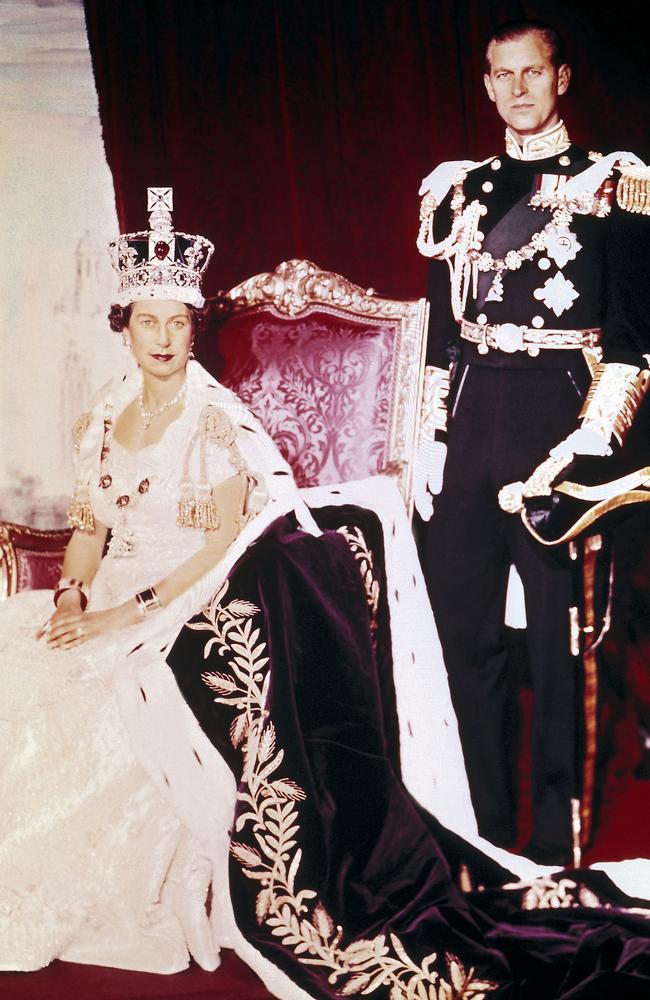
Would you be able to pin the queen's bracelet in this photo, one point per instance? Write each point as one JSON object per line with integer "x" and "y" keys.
{"x": 69, "y": 583}
{"x": 148, "y": 602}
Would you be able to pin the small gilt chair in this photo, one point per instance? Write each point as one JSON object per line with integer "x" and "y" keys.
{"x": 333, "y": 372}
{"x": 30, "y": 558}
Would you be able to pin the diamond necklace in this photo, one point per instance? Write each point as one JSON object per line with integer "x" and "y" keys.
{"x": 148, "y": 415}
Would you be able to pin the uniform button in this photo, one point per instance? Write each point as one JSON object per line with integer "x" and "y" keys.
{"x": 481, "y": 318}
{"x": 537, "y": 322}
{"x": 496, "y": 164}
{"x": 487, "y": 186}
{"x": 543, "y": 263}
{"x": 565, "y": 160}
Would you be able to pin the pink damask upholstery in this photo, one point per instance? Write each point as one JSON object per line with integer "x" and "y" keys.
{"x": 319, "y": 384}
{"x": 332, "y": 372}
{"x": 30, "y": 559}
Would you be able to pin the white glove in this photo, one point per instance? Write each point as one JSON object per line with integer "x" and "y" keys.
{"x": 582, "y": 441}
{"x": 428, "y": 468}
{"x": 511, "y": 497}
{"x": 439, "y": 181}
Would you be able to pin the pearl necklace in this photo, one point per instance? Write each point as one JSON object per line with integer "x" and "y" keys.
{"x": 148, "y": 415}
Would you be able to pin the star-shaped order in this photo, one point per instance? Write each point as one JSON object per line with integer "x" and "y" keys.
{"x": 562, "y": 245}
{"x": 557, "y": 293}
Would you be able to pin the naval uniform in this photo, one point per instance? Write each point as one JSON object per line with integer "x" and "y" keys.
{"x": 529, "y": 269}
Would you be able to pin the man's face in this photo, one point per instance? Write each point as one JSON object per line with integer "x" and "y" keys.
{"x": 524, "y": 84}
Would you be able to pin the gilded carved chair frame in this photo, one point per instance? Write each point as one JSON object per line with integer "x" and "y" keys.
{"x": 297, "y": 287}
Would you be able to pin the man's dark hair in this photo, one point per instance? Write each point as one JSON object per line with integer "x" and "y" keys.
{"x": 516, "y": 29}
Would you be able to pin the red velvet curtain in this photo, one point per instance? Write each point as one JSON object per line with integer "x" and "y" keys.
{"x": 301, "y": 128}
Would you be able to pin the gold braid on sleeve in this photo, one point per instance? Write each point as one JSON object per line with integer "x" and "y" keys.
{"x": 434, "y": 402}
{"x": 614, "y": 396}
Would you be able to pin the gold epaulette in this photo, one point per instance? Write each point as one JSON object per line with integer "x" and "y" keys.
{"x": 633, "y": 191}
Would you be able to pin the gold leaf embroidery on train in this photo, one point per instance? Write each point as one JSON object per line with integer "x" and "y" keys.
{"x": 271, "y": 813}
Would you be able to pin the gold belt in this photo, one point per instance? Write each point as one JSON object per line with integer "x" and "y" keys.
{"x": 510, "y": 338}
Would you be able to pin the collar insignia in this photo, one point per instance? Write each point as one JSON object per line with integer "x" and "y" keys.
{"x": 538, "y": 147}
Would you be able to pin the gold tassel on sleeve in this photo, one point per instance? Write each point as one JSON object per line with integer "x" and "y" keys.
{"x": 186, "y": 504}
{"x": 80, "y": 513}
{"x": 196, "y": 506}
{"x": 206, "y": 515}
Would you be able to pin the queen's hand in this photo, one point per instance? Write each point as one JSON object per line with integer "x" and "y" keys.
{"x": 69, "y": 626}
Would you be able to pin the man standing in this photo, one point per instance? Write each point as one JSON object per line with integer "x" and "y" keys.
{"x": 543, "y": 335}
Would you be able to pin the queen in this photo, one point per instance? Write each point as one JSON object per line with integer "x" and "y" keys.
{"x": 174, "y": 479}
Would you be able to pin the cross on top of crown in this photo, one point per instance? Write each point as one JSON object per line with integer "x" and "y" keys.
{"x": 160, "y": 198}
{"x": 159, "y": 205}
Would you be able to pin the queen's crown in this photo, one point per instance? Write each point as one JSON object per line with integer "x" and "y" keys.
{"x": 160, "y": 263}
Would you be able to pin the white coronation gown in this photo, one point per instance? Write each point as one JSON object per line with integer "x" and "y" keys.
{"x": 95, "y": 865}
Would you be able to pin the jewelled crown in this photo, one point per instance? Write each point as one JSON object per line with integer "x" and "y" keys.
{"x": 160, "y": 263}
